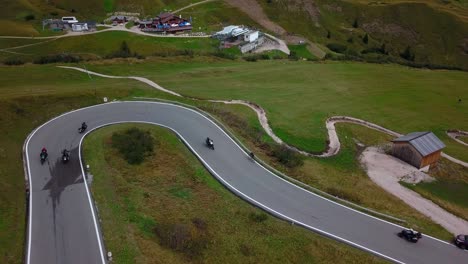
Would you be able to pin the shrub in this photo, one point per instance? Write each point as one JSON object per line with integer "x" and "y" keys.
{"x": 258, "y": 217}
{"x": 408, "y": 54}
{"x": 29, "y": 17}
{"x": 365, "y": 39}
{"x": 264, "y": 57}
{"x": 183, "y": 238}
{"x": 134, "y": 144}
{"x": 64, "y": 57}
{"x": 293, "y": 55}
{"x": 251, "y": 58}
{"x": 336, "y": 47}
{"x": 225, "y": 55}
{"x": 124, "y": 52}
{"x": 13, "y": 61}
{"x": 287, "y": 156}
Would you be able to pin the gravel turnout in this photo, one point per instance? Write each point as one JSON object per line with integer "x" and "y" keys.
{"x": 387, "y": 171}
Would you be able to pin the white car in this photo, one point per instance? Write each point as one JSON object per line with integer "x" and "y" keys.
{"x": 69, "y": 20}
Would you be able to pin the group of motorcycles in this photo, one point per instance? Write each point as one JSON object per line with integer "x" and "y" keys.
{"x": 65, "y": 153}
{"x": 408, "y": 234}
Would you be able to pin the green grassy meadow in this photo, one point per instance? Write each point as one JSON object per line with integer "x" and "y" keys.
{"x": 300, "y": 96}
{"x": 133, "y": 202}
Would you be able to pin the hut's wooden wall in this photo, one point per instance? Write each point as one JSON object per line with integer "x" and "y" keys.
{"x": 430, "y": 159}
{"x": 406, "y": 152}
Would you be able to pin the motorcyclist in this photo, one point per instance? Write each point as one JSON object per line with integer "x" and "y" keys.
{"x": 84, "y": 126}
{"x": 209, "y": 141}
{"x": 65, "y": 153}
{"x": 43, "y": 153}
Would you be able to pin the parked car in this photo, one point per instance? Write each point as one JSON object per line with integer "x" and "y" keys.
{"x": 461, "y": 241}
{"x": 69, "y": 20}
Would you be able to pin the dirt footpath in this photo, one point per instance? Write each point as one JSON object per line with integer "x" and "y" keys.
{"x": 386, "y": 171}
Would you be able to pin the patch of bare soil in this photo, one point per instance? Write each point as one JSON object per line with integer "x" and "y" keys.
{"x": 255, "y": 12}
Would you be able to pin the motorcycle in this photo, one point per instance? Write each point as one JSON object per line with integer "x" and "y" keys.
{"x": 43, "y": 156}
{"x": 82, "y": 128}
{"x": 65, "y": 156}
{"x": 209, "y": 143}
{"x": 410, "y": 235}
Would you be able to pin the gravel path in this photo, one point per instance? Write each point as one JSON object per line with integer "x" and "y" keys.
{"x": 455, "y": 134}
{"x": 386, "y": 171}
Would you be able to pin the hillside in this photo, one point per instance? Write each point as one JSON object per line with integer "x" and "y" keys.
{"x": 415, "y": 32}
{"x": 419, "y": 32}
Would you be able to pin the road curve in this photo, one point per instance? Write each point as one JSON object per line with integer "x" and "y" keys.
{"x": 62, "y": 222}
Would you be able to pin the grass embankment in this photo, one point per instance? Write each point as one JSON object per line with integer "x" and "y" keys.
{"x": 300, "y": 96}
{"x": 397, "y": 24}
{"x": 172, "y": 193}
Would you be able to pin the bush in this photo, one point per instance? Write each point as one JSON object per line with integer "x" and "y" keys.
{"x": 124, "y": 52}
{"x": 408, "y": 54}
{"x": 29, "y": 17}
{"x": 336, "y": 47}
{"x": 184, "y": 238}
{"x": 64, "y": 57}
{"x": 251, "y": 58}
{"x": 13, "y": 61}
{"x": 134, "y": 144}
{"x": 293, "y": 55}
{"x": 287, "y": 156}
{"x": 258, "y": 217}
{"x": 365, "y": 39}
{"x": 264, "y": 57}
{"x": 225, "y": 55}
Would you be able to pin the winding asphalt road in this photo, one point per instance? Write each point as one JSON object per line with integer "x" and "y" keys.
{"x": 63, "y": 226}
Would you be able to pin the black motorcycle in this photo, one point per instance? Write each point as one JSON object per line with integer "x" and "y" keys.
{"x": 65, "y": 156}
{"x": 209, "y": 143}
{"x": 410, "y": 235}
{"x": 82, "y": 128}
{"x": 43, "y": 156}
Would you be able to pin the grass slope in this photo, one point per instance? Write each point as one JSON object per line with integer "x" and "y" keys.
{"x": 102, "y": 44}
{"x": 435, "y": 32}
{"x": 171, "y": 188}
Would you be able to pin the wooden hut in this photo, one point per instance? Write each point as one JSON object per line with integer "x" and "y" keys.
{"x": 419, "y": 149}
